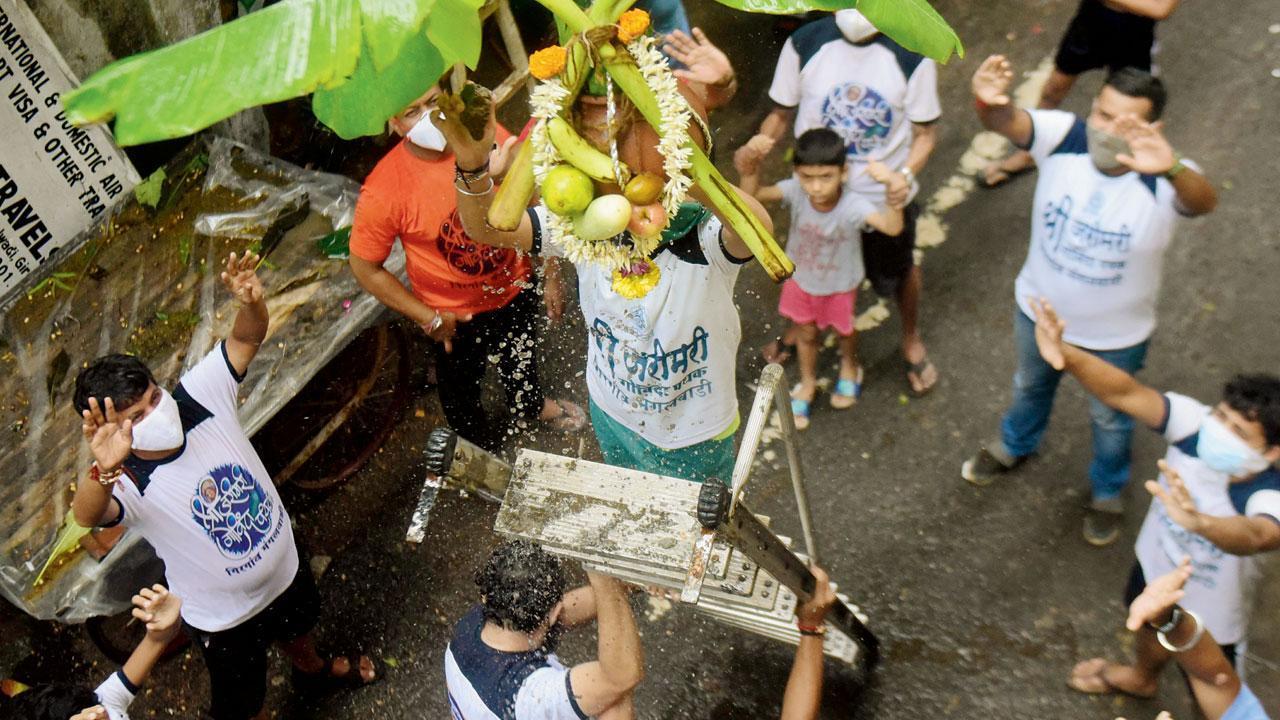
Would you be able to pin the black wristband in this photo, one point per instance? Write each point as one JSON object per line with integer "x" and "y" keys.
{"x": 469, "y": 176}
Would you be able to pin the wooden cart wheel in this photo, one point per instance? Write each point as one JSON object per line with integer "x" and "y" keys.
{"x": 342, "y": 416}
{"x": 117, "y": 635}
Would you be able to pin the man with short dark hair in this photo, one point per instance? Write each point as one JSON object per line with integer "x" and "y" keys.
{"x": 179, "y": 469}
{"x": 1107, "y": 201}
{"x": 1217, "y": 500}
{"x": 1110, "y": 34}
{"x": 501, "y": 662}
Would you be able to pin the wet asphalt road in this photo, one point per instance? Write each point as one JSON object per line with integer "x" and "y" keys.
{"x": 983, "y": 598}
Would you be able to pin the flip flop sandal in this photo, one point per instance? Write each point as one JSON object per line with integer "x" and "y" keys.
{"x": 778, "y": 351}
{"x": 846, "y": 392}
{"x": 571, "y": 418}
{"x": 800, "y": 410}
{"x": 1096, "y": 683}
{"x": 918, "y": 369}
{"x": 325, "y": 682}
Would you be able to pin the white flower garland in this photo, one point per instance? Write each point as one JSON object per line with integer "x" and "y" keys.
{"x": 673, "y": 130}
{"x": 547, "y": 100}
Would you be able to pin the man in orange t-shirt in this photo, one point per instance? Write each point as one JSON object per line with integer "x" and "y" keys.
{"x": 475, "y": 300}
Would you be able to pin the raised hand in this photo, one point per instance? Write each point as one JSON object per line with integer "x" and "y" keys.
{"x": 1149, "y": 151}
{"x": 469, "y": 153}
{"x": 1049, "y": 329}
{"x": 110, "y": 437}
{"x": 1158, "y": 596}
{"x": 703, "y": 62}
{"x": 992, "y": 80}
{"x": 159, "y": 609}
{"x": 241, "y": 278}
{"x": 1177, "y": 500}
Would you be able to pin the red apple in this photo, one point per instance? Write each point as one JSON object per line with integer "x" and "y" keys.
{"x": 647, "y": 220}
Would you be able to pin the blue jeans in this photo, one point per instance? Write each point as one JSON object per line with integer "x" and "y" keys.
{"x": 1034, "y": 385}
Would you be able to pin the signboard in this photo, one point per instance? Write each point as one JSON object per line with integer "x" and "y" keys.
{"x": 55, "y": 179}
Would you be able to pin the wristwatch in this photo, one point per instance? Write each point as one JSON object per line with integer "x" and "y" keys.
{"x": 1178, "y": 166}
{"x": 910, "y": 176}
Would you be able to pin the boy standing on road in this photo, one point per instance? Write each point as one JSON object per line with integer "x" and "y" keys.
{"x": 1107, "y": 200}
{"x": 825, "y": 244}
{"x": 839, "y": 72}
{"x": 1217, "y": 499}
{"x": 180, "y": 469}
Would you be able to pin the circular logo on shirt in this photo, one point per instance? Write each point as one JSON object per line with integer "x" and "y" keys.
{"x": 233, "y": 509}
{"x": 466, "y": 256}
{"x": 860, "y": 115}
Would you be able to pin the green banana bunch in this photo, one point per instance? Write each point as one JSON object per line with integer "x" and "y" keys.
{"x": 581, "y": 154}
{"x": 512, "y": 198}
{"x": 718, "y": 190}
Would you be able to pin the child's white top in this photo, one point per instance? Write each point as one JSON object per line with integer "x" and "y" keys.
{"x": 1097, "y": 241}
{"x": 664, "y": 365}
{"x": 211, "y": 512}
{"x": 870, "y": 93}
{"x": 825, "y": 246}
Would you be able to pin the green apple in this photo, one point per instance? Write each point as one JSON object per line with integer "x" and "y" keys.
{"x": 567, "y": 190}
{"x": 605, "y": 217}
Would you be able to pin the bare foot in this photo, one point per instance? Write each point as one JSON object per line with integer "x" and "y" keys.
{"x": 1099, "y": 676}
{"x": 998, "y": 173}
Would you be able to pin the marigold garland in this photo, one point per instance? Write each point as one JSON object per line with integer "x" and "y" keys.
{"x": 626, "y": 253}
{"x": 548, "y": 62}
{"x": 632, "y": 24}
{"x": 635, "y": 281}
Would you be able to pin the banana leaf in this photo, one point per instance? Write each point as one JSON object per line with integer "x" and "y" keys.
{"x": 68, "y": 541}
{"x": 386, "y": 49}
{"x": 913, "y": 24}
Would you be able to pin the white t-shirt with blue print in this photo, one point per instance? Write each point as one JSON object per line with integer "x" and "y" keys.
{"x": 870, "y": 93}
{"x": 1097, "y": 241}
{"x": 664, "y": 365}
{"x": 211, "y": 511}
{"x": 1218, "y": 590}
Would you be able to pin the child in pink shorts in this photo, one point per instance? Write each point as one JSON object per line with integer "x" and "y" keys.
{"x": 825, "y": 243}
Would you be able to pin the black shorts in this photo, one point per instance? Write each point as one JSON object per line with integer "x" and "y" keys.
{"x": 1099, "y": 37}
{"x": 237, "y": 657}
{"x": 1138, "y": 582}
{"x": 888, "y": 258}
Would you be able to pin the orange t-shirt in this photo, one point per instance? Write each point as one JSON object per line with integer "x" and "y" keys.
{"x": 412, "y": 199}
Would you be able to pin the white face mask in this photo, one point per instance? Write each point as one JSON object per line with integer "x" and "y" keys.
{"x": 1103, "y": 148}
{"x": 425, "y": 134}
{"x": 161, "y": 429}
{"x": 1224, "y": 451}
{"x": 854, "y": 25}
